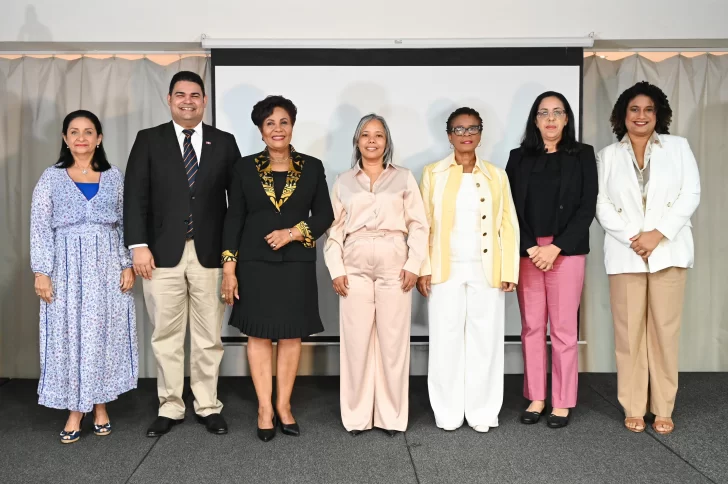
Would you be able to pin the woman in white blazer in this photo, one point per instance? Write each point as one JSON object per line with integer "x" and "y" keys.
{"x": 649, "y": 187}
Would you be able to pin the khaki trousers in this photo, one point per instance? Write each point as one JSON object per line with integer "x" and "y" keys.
{"x": 173, "y": 294}
{"x": 374, "y": 333}
{"x": 647, "y": 309}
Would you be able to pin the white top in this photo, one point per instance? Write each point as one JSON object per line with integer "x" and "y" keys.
{"x": 465, "y": 236}
{"x": 673, "y": 195}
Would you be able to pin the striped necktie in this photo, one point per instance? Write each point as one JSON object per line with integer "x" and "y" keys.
{"x": 190, "y": 160}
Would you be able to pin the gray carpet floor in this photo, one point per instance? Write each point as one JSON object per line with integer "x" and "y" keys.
{"x": 594, "y": 448}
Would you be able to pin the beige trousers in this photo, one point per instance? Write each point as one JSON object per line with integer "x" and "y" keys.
{"x": 374, "y": 333}
{"x": 173, "y": 294}
{"x": 647, "y": 309}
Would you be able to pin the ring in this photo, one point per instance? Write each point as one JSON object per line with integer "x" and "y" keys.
{"x": 273, "y": 245}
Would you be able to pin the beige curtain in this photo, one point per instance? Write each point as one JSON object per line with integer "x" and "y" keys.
{"x": 697, "y": 89}
{"x": 35, "y": 96}
{"x": 129, "y": 95}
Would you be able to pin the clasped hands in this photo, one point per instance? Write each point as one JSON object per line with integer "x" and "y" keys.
{"x": 645, "y": 242}
{"x": 544, "y": 256}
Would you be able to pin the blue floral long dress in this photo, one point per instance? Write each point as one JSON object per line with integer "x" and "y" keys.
{"x": 88, "y": 341}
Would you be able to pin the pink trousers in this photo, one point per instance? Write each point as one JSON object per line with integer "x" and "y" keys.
{"x": 551, "y": 296}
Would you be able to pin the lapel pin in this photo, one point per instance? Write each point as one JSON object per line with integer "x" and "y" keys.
{"x": 208, "y": 142}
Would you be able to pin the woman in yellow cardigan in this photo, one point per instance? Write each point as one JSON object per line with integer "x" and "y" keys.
{"x": 473, "y": 259}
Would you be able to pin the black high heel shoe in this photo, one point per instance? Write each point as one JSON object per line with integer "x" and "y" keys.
{"x": 290, "y": 429}
{"x": 266, "y": 435}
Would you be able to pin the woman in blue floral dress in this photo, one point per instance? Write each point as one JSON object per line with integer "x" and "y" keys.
{"x": 83, "y": 276}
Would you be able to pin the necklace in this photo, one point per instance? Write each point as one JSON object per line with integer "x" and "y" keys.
{"x": 284, "y": 160}
{"x": 84, "y": 170}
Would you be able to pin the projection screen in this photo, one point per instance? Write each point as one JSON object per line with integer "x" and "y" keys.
{"x": 414, "y": 89}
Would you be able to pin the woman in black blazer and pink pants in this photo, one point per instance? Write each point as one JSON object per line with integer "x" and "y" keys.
{"x": 554, "y": 183}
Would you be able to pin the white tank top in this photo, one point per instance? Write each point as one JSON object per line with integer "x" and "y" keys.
{"x": 465, "y": 236}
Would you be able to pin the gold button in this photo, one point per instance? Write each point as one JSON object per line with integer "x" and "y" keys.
{"x": 477, "y": 185}
{"x": 485, "y": 233}
{"x": 485, "y": 250}
{"x": 619, "y": 210}
{"x": 482, "y": 199}
{"x": 483, "y": 217}
{"x": 669, "y": 204}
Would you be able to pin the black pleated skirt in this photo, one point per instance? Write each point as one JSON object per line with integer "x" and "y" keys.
{"x": 278, "y": 300}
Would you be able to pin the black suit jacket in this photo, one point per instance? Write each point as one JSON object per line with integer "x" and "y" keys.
{"x": 158, "y": 199}
{"x": 577, "y": 198}
{"x": 254, "y": 211}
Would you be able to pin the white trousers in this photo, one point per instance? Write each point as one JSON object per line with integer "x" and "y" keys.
{"x": 466, "y": 363}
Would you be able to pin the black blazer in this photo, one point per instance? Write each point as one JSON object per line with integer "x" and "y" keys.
{"x": 158, "y": 199}
{"x": 577, "y": 198}
{"x": 254, "y": 211}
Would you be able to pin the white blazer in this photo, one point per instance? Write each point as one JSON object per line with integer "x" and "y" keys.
{"x": 673, "y": 194}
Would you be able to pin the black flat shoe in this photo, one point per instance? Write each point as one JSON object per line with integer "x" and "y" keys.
{"x": 391, "y": 433}
{"x": 556, "y": 422}
{"x": 266, "y": 435}
{"x": 290, "y": 429}
{"x": 530, "y": 418}
{"x": 214, "y": 423}
{"x": 161, "y": 426}
{"x": 354, "y": 433}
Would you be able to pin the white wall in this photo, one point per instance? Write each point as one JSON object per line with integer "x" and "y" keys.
{"x": 186, "y": 20}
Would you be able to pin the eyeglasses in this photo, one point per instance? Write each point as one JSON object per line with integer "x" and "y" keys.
{"x": 461, "y": 130}
{"x": 556, "y": 113}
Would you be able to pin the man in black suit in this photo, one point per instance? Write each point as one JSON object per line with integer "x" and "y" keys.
{"x": 174, "y": 208}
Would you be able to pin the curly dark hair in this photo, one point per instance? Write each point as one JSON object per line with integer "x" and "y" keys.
{"x": 663, "y": 112}
{"x": 458, "y": 112}
{"x": 263, "y": 109}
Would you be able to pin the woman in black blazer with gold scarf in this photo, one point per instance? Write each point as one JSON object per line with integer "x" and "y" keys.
{"x": 278, "y": 206}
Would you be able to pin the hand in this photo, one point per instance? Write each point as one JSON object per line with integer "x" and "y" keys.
{"x": 44, "y": 288}
{"x": 508, "y": 286}
{"x": 229, "y": 287}
{"x": 531, "y": 250}
{"x": 545, "y": 256}
{"x": 278, "y": 238}
{"x": 408, "y": 280}
{"x": 127, "y": 280}
{"x": 341, "y": 286}
{"x": 424, "y": 285}
{"x": 143, "y": 261}
{"x": 644, "y": 243}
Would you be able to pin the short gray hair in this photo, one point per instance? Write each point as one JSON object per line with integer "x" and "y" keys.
{"x": 389, "y": 147}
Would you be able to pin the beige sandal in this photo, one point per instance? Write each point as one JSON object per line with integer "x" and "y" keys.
{"x": 668, "y": 425}
{"x": 638, "y": 424}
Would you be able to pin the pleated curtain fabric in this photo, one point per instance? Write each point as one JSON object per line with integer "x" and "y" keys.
{"x": 697, "y": 88}
{"x": 129, "y": 95}
{"x": 35, "y": 96}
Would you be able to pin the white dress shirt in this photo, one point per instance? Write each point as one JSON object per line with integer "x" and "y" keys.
{"x": 196, "y": 139}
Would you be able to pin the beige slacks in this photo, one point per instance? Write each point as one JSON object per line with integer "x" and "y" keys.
{"x": 374, "y": 332}
{"x": 173, "y": 294}
{"x": 647, "y": 309}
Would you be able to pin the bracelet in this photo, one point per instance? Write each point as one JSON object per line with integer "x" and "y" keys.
{"x": 290, "y": 233}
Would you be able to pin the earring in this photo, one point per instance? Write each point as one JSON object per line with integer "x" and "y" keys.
{"x": 452, "y": 147}
{"x": 100, "y": 145}
{"x": 479, "y": 144}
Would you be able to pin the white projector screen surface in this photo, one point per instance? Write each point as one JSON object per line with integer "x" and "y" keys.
{"x": 415, "y": 101}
